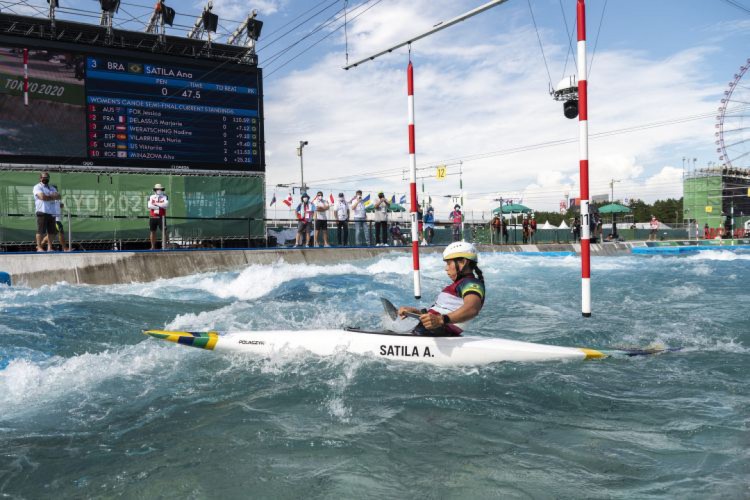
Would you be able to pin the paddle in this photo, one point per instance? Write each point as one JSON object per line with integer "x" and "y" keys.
{"x": 392, "y": 311}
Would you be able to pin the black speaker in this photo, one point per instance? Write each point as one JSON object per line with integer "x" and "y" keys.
{"x": 253, "y": 28}
{"x": 570, "y": 108}
{"x": 210, "y": 21}
{"x": 168, "y": 14}
{"x": 110, "y": 5}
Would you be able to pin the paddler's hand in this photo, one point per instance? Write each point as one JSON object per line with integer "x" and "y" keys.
{"x": 404, "y": 309}
{"x": 431, "y": 321}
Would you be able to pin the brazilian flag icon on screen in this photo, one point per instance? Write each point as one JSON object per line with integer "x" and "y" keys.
{"x": 135, "y": 68}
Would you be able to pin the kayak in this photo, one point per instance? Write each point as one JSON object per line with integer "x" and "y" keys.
{"x": 443, "y": 351}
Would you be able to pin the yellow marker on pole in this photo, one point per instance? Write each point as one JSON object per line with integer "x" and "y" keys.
{"x": 709, "y": 209}
{"x": 441, "y": 173}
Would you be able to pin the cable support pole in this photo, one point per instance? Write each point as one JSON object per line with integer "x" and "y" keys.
{"x": 438, "y": 27}
{"x": 25, "y": 77}
{"x": 583, "y": 130}
{"x": 413, "y": 182}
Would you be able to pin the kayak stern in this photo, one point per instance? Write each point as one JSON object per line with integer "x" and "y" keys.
{"x": 202, "y": 340}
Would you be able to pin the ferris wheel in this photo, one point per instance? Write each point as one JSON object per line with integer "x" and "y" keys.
{"x": 733, "y": 135}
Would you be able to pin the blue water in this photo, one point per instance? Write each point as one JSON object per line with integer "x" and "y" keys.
{"x": 89, "y": 407}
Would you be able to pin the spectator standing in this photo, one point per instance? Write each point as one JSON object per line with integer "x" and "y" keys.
{"x": 654, "y": 226}
{"x": 525, "y": 228}
{"x": 706, "y": 232}
{"x": 532, "y": 229}
{"x": 576, "y": 229}
{"x": 157, "y": 214}
{"x": 504, "y": 227}
{"x": 58, "y": 225}
{"x": 359, "y": 212}
{"x": 342, "y": 221}
{"x": 46, "y": 198}
{"x": 728, "y": 227}
{"x": 593, "y": 225}
{"x": 381, "y": 220}
{"x": 429, "y": 226}
{"x": 420, "y": 223}
{"x": 496, "y": 227}
{"x": 304, "y": 213}
{"x": 457, "y": 218}
{"x": 321, "y": 219}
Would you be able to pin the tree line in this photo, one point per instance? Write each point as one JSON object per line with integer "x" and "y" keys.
{"x": 668, "y": 211}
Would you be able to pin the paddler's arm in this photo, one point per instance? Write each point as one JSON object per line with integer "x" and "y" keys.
{"x": 468, "y": 311}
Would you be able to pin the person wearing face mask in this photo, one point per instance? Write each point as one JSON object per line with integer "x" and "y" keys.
{"x": 321, "y": 220}
{"x": 381, "y": 220}
{"x": 46, "y": 198}
{"x": 304, "y": 213}
{"x": 157, "y": 207}
{"x": 342, "y": 221}
{"x": 360, "y": 219}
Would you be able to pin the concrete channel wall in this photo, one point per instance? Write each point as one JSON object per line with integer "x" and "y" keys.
{"x": 112, "y": 267}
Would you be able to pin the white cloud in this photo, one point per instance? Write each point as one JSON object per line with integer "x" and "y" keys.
{"x": 479, "y": 94}
{"x": 238, "y": 9}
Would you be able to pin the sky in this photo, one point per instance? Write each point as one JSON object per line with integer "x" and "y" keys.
{"x": 658, "y": 71}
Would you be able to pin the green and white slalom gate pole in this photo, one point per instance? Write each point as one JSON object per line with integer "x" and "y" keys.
{"x": 584, "y": 162}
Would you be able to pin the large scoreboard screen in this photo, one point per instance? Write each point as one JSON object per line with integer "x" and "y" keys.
{"x": 119, "y": 110}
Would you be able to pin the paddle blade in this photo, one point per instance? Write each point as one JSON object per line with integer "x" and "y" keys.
{"x": 389, "y": 308}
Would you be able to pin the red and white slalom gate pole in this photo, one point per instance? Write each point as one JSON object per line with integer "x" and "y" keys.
{"x": 584, "y": 162}
{"x": 25, "y": 77}
{"x": 413, "y": 183}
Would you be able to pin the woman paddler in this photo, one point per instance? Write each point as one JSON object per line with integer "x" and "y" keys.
{"x": 460, "y": 301}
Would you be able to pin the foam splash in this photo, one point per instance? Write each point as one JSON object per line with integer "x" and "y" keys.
{"x": 718, "y": 255}
{"x": 29, "y": 386}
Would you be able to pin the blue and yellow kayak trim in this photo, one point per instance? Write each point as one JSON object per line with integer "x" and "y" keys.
{"x": 203, "y": 340}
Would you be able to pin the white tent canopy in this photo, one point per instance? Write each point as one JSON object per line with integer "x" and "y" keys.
{"x": 563, "y": 225}
{"x": 547, "y": 225}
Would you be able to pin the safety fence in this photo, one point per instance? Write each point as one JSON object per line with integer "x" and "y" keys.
{"x": 119, "y": 232}
{"x": 102, "y": 232}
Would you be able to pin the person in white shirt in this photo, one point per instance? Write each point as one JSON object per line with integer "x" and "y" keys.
{"x": 359, "y": 211}
{"x": 342, "y": 221}
{"x": 157, "y": 212}
{"x": 321, "y": 219}
{"x": 45, "y": 199}
{"x": 58, "y": 225}
{"x": 381, "y": 220}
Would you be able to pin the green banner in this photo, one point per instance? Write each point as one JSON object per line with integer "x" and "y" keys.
{"x": 108, "y": 206}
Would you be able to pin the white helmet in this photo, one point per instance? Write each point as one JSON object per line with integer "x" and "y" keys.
{"x": 461, "y": 249}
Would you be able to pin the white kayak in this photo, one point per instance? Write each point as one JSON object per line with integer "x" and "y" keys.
{"x": 444, "y": 351}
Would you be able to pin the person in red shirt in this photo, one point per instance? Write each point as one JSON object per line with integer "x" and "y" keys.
{"x": 157, "y": 215}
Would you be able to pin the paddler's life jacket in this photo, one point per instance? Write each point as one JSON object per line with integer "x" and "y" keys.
{"x": 452, "y": 298}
